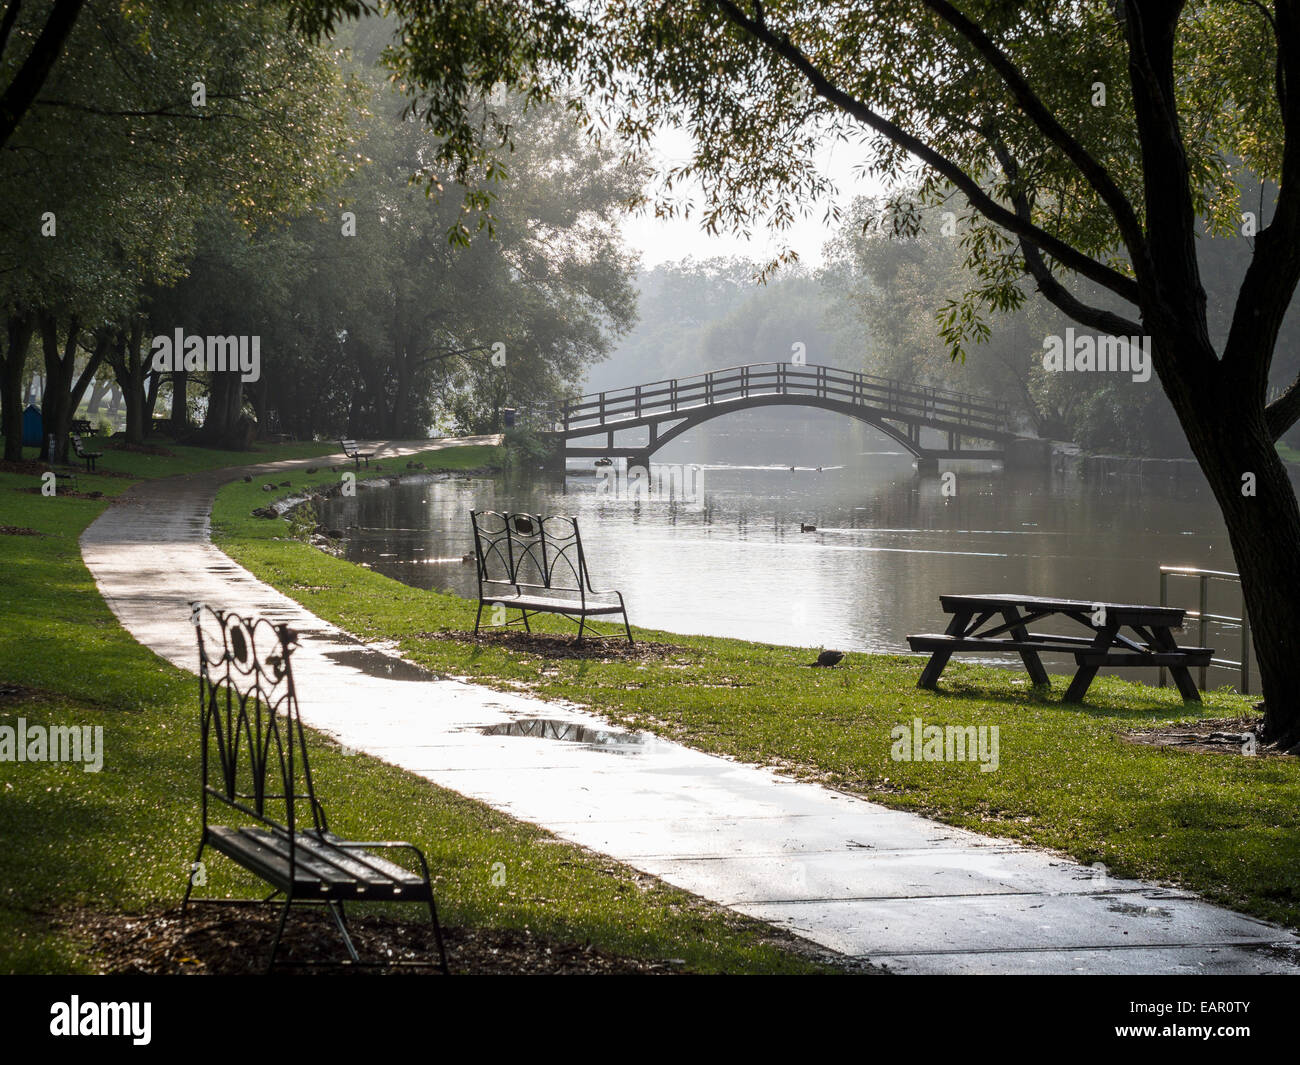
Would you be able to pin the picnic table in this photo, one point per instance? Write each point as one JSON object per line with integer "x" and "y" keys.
{"x": 1000, "y": 623}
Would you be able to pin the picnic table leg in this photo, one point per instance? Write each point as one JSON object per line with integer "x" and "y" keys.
{"x": 1084, "y": 675}
{"x": 1164, "y": 641}
{"x": 939, "y": 658}
{"x": 1033, "y": 664}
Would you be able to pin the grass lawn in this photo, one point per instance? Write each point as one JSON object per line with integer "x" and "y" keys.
{"x": 121, "y": 840}
{"x": 1224, "y": 825}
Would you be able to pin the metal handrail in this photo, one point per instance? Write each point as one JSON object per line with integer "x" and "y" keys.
{"x": 1204, "y": 617}
{"x": 638, "y": 401}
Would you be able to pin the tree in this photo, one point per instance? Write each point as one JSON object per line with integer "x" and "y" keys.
{"x": 160, "y": 114}
{"x": 1090, "y": 142}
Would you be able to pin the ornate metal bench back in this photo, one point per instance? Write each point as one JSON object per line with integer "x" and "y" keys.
{"x": 529, "y": 550}
{"x": 254, "y": 751}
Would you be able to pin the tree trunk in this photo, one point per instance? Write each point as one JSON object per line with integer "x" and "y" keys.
{"x": 180, "y": 409}
{"x": 11, "y": 385}
{"x": 221, "y": 426}
{"x": 129, "y": 371}
{"x": 98, "y": 391}
{"x": 1264, "y": 530}
{"x": 151, "y": 400}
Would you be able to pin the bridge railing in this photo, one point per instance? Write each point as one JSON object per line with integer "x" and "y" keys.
{"x": 670, "y": 396}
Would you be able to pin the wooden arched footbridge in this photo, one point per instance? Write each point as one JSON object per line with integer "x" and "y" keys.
{"x": 976, "y": 427}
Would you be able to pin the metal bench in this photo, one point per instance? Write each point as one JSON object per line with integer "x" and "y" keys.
{"x": 254, "y": 765}
{"x": 88, "y": 457}
{"x": 536, "y": 565}
{"x": 993, "y": 623}
{"x": 353, "y": 452}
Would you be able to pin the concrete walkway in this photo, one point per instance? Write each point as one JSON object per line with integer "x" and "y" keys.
{"x": 882, "y": 885}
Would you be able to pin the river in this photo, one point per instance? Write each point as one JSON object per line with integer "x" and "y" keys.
{"x": 887, "y": 542}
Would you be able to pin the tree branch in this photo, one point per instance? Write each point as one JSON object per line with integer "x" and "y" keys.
{"x": 1063, "y": 252}
{"x": 1270, "y": 281}
{"x": 1284, "y": 411}
{"x": 22, "y": 90}
{"x": 1096, "y": 175}
{"x": 1053, "y": 291}
{"x": 7, "y": 24}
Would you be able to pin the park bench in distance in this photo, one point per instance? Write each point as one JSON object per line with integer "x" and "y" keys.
{"x": 83, "y": 426}
{"x": 1107, "y": 646}
{"x": 254, "y": 764}
{"x": 351, "y": 450}
{"x": 88, "y": 457}
{"x": 536, "y": 565}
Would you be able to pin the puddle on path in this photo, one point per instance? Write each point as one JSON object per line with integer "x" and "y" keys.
{"x": 541, "y": 728}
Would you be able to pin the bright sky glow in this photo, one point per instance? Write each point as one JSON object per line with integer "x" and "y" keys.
{"x": 662, "y": 240}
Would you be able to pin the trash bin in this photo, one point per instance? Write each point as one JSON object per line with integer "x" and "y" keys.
{"x": 509, "y": 413}
{"x": 33, "y": 426}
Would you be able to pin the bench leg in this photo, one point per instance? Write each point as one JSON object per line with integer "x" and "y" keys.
{"x": 1104, "y": 639}
{"x": 478, "y": 617}
{"x": 437, "y": 935}
{"x": 1186, "y": 685}
{"x": 279, "y": 931}
{"x": 1033, "y": 664}
{"x": 938, "y": 659}
{"x": 335, "y": 909}
{"x": 1164, "y": 641}
{"x": 189, "y": 880}
{"x": 1079, "y": 686}
{"x": 627, "y": 627}
{"x": 930, "y": 675}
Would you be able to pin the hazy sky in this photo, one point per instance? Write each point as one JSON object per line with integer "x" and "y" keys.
{"x": 668, "y": 240}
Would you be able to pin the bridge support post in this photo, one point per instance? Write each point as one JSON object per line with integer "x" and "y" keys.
{"x": 641, "y": 458}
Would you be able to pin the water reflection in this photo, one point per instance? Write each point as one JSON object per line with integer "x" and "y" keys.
{"x": 568, "y": 732}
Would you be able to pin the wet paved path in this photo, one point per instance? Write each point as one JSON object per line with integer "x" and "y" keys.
{"x": 883, "y": 885}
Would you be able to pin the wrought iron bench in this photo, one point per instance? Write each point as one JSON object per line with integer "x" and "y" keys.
{"x": 536, "y": 565}
{"x": 353, "y": 452}
{"x": 254, "y": 765}
{"x": 88, "y": 457}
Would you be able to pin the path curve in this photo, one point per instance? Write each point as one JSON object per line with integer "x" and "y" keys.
{"x": 882, "y": 885}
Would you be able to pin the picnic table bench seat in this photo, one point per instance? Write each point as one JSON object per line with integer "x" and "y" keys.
{"x": 256, "y": 772}
{"x": 536, "y": 564}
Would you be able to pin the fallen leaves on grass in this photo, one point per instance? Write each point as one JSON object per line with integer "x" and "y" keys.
{"x": 1210, "y": 736}
{"x": 229, "y": 940}
{"x": 546, "y": 645}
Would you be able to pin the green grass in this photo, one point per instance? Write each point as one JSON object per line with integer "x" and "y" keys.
{"x": 1225, "y": 826}
{"x": 1288, "y": 453}
{"x": 122, "y": 839}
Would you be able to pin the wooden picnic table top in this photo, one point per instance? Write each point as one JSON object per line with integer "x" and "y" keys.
{"x": 1039, "y": 603}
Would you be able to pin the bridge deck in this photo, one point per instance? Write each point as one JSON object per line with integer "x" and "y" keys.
{"x": 648, "y": 404}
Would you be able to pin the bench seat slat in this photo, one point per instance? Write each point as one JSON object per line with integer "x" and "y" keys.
{"x": 554, "y": 605}
{"x": 932, "y": 641}
{"x": 1184, "y": 656}
{"x": 1077, "y": 646}
{"x": 322, "y": 869}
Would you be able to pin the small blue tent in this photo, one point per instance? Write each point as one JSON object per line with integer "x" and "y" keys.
{"x": 32, "y": 426}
